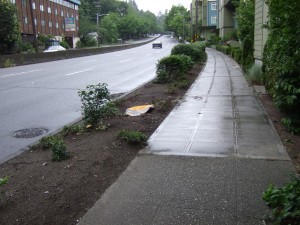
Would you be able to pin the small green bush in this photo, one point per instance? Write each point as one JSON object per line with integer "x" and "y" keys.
{"x": 3, "y": 181}
{"x": 187, "y": 49}
{"x": 59, "y": 151}
{"x": 27, "y": 48}
{"x": 64, "y": 44}
{"x": 49, "y": 141}
{"x": 163, "y": 105}
{"x": 133, "y": 137}
{"x": 238, "y": 55}
{"x": 225, "y": 49}
{"x": 74, "y": 129}
{"x": 96, "y": 105}
{"x": 171, "y": 68}
{"x": 284, "y": 202}
{"x": 254, "y": 74}
{"x": 8, "y": 63}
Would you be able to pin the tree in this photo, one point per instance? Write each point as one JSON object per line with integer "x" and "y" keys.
{"x": 177, "y": 20}
{"x": 245, "y": 30}
{"x": 9, "y": 27}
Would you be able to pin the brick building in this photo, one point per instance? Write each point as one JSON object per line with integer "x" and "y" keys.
{"x": 56, "y": 17}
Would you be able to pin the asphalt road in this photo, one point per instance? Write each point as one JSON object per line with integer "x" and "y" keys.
{"x": 45, "y": 95}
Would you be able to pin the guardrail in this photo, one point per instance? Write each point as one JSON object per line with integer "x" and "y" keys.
{"x": 25, "y": 59}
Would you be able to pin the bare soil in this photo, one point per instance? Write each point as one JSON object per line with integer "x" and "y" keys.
{"x": 40, "y": 191}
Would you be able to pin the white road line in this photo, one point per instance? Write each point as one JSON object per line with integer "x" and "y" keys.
{"x": 82, "y": 71}
{"x": 14, "y": 74}
{"x": 127, "y": 60}
{"x": 90, "y": 60}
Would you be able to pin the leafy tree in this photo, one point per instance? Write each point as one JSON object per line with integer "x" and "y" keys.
{"x": 9, "y": 27}
{"x": 245, "y": 30}
{"x": 177, "y": 20}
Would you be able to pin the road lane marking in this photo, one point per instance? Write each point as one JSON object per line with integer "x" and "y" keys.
{"x": 127, "y": 60}
{"x": 14, "y": 74}
{"x": 90, "y": 60}
{"x": 82, "y": 71}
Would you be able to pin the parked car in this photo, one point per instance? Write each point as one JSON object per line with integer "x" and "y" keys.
{"x": 157, "y": 45}
{"x": 55, "y": 49}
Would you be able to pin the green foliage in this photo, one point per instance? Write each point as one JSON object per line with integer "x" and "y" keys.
{"x": 3, "y": 181}
{"x": 26, "y": 47}
{"x": 9, "y": 63}
{"x": 74, "y": 129}
{"x": 237, "y": 55}
{"x": 254, "y": 74}
{"x": 281, "y": 60}
{"x": 59, "y": 151}
{"x": 96, "y": 105}
{"x": 163, "y": 105}
{"x": 247, "y": 56}
{"x": 171, "y": 68}
{"x": 133, "y": 137}
{"x": 9, "y": 27}
{"x": 43, "y": 40}
{"x": 189, "y": 50}
{"x": 49, "y": 141}
{"x": 64, "y": 44}
{"x": 284, "y": 202}
{"x": 177, "y": 20}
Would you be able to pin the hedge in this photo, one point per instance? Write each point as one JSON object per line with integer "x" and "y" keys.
{"x": 281, "y": 60}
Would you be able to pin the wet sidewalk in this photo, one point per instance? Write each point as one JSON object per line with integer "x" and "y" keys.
{"x": 208, "y": 162}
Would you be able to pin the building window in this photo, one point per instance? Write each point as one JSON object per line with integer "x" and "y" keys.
{"x": 50, "y": 24}
{"x": 33, "y": 5}
{"x": 68, "y": 14}
{"x": 63, "y": 26}
{"x": 25, "y": 20}
{"x": 13, "y": 1}
{"x": 62, "y": 13}
{"x": 49, "y": 10}
{"x": 41, "y": 8}
{"x": 56, "y": 25}
{"x": 55, "y": 11}
{"x": 76, "y": 17}
{"x": 35, "y": 21}
{"x": 43, "y": 23}
{"x": 213, "y": 6}
{"x": 213, "y": 20}
{"x": 23, "y": 2}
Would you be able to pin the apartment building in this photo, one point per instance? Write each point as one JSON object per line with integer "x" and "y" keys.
{"x": 57, "y": 17}
{"x": 226, "y": 13}
{"x": 204, "y": 15}
{"x": 260, "y": 34}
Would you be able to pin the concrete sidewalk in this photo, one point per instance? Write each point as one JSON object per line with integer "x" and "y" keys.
{"x": 208, "y": 162}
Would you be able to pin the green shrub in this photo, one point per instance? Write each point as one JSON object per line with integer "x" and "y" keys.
{"x": 49, "y": 141}
{"x": 163, "y": 105}
{"x": 59, "y": 151}
{"x": 9, "y": 63}
{"x": 96, "y": 105}
{"x": 74, "y": 129}
{"x": 225, "y": 49}
{"x": 281, "y": 60}
{"x": 27, "y": 47}
{"x": 284, "y": 202}
{"x": 133, "y": 137}
{"x": 187, "y": 49}
{"x": 172, "y": 88}
{"x": 3, "y": 181}
{"x": 247, "y": 55}
{"x": 254, "y": 74}
{"x": 171, "y": 68}
{"x": 238, "y": 55}
{"x": 64, "y": 44}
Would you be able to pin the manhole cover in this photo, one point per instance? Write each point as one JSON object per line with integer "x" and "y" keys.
{"x": 30, "y": 133}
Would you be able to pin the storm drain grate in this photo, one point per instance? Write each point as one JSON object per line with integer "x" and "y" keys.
{"x": 30, "y": 132}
